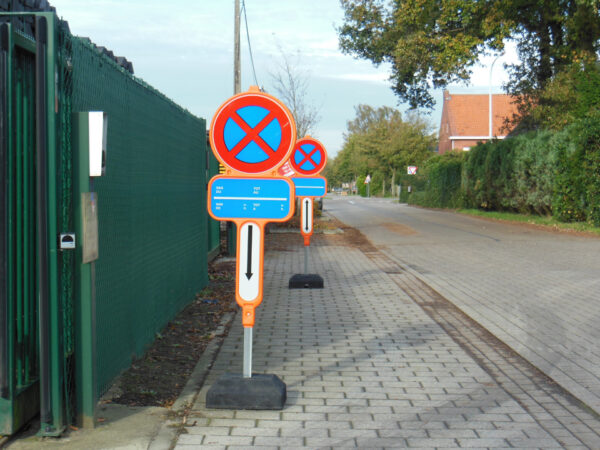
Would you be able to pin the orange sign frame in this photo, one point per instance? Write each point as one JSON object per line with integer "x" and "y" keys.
{"x": 264, "y": 170}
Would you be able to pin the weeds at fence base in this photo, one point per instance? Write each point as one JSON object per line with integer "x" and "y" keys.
{"x": 157, "y": 378}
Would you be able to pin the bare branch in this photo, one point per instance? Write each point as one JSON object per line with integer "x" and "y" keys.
{"x": 290, "y": 83}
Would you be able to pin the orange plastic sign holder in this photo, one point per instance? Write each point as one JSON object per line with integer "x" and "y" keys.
{"x": 250, "y": 252}
{"x": 252, "y": 134}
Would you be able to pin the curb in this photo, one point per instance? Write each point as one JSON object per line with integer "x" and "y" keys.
{"x": 170, "y": 429}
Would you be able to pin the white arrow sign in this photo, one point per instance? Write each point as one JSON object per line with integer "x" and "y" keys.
{"x": 249, "y": 261}
{"x": 307, "y": 215}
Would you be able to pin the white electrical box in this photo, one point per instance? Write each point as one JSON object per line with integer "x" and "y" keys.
{"x": 97, "y": 126}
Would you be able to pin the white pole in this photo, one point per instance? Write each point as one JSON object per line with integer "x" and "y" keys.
{"x": 247, "y": 368}
{"x": 490, "y": 96}
{"x": 305, "y": 259}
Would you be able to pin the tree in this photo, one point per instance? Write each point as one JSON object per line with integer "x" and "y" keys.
{"x": 432, "y": 43}
{"x": 570, "y": 96}
{"x": 291, "y": 85}
{"x": 379, "y": 142}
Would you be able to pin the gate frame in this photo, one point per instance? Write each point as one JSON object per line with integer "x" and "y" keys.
{"x": 51, "y": 386}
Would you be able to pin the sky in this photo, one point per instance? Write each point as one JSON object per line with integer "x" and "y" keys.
{"x": 184, "y": 48}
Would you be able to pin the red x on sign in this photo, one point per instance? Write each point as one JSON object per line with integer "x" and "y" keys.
{"x": 252, "y": 133}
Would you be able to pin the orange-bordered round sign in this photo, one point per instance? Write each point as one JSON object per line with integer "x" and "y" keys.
{"x": 252, "y": 132}
{"x": 308, "y": 157}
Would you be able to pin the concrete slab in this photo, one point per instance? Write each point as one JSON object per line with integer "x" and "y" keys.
{"x": 120, "y": 427}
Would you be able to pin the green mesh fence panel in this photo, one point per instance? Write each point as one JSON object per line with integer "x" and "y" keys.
{"x": 214, "y": 226}
{"x": 151, "y": 206}
{"x": 65, "y": 191}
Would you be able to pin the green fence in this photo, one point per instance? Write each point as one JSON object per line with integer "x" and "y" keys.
{"x": 214, "y": 226}
{"x": 152, "y": 209}
{"x": 68, "y": 328}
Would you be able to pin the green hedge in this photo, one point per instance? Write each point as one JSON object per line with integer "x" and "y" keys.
{"x": 577, "y": 183}
{"x": 511, "y": 175}
{"x": 542, "y": 172}
{"x": 417, "y": 185}
{"x": 443, "y": 188}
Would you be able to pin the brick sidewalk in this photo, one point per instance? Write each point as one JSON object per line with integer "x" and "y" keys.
{"x": 536, "y": 299}
{"x": 365, "y": 367}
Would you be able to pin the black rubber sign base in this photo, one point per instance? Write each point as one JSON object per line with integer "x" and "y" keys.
{"x": 260, "y": 392}
{"x": 306, "y": 281}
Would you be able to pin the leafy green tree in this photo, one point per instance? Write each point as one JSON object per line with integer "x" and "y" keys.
{"x": 380, "y": 143}
{"x": 570, "y": 96}
{"x": 432, "y": 43}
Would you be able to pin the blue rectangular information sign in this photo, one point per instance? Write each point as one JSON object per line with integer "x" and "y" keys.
{"x": 257, "y": 198}
{"x": 310, "y": 186}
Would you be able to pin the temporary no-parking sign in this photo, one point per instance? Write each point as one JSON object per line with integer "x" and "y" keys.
{"x": 308, "y": 157}
{"x": 252, "y": 133}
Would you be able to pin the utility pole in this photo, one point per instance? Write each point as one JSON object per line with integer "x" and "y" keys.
{"x": 237, "y": 88}
{"x": 237, "y": 72}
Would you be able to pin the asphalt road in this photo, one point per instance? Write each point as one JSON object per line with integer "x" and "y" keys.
{"x": 537, "y": 291}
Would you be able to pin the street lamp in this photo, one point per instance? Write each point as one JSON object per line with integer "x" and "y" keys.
{"x": 490, "y": 96}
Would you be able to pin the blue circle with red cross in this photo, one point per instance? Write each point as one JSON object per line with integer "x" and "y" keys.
{"x": 252, "y": 133}
{"x": 308, "y": 157}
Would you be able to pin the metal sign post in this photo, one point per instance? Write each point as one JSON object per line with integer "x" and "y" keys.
{"x": 307, "y": 160}
{"x": 252, "y": 135}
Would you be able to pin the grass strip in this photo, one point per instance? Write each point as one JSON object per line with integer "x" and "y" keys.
{"x": 547, "y": 221}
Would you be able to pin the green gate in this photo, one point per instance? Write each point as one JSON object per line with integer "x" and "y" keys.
{"x": 31, "y": 287}
{"x": 19, "y": 371}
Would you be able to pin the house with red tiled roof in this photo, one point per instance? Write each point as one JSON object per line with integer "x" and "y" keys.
{"x": 466, "y": 119}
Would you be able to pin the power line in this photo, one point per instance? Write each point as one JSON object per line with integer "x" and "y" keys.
{"x": 248, "y": 38}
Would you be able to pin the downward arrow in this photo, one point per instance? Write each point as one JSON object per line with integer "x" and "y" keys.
{"x": 249, "y": 261}
{"x": 306, "y": 217}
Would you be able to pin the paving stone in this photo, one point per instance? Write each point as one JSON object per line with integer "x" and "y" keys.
{"x": 222, "y": 431}
{"x": 254, "y": 431}
{"x": 367, "y": 367}
{"x": 282, "y": 441}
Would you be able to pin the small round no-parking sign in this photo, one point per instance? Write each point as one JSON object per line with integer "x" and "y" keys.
{"x": 308, "y": 157}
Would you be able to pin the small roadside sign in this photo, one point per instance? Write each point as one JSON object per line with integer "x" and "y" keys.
{"x": 286, "y": 170}
{"x": 306, "y": 217}
{"x": 244, "y": 198}
{"x": 310, "y": 186}
{"x": 250, "y": 261}
{"x": 411, "y": 170}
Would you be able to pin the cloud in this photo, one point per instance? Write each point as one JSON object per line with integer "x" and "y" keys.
{"x": 378, "y": 77}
